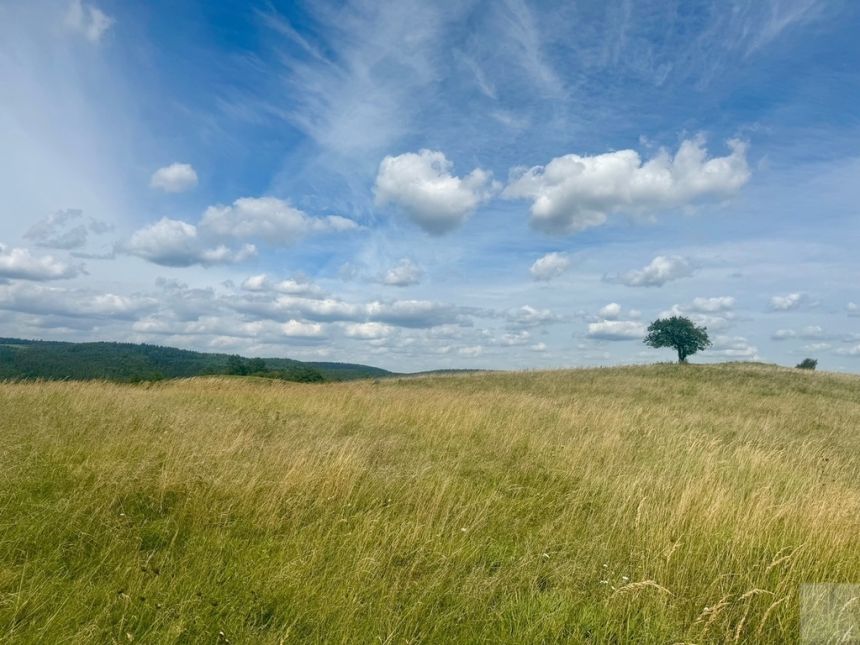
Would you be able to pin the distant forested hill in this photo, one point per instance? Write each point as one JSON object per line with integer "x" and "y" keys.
{"x": 30, "y": 359}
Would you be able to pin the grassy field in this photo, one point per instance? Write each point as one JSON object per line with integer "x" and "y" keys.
{"x": 652, "y": 504}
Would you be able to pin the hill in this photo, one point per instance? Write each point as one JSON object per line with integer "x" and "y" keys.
{"x": 126, "y": 362}
{"x": 655, "y": 504}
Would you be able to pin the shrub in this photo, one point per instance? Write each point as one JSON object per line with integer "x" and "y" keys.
{"x": 807, "y": 364}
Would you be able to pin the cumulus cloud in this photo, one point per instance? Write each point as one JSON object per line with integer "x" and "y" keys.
{"x": 175, "y": 178}
{"x": 787, "y": 302}
{"x": 299, "y": 329}
{"x": 415, "y": 313}
{"x": 528, "y": 316}
{"x": 712, "y": 305}
{"x": 659, "y": 271}
{"x": 783, "y": 334}
{"x": 514, "y": 339}
{"x": 736, "y": 347}
{"x": 573, "y": 192}
{"x": 471, "y": 351}
{"x": 43, "y": 300}
{"x": 712, "y": 313}
{"x": 269, "y": 219}
{"x": 403, "y": 274}
{"x": 368, "y": 330}
{"x": 549, "y": 266}
{"x": 223, "y": 325}
{"x": 849, "y": 351}
{"x": 22, "y": 265}
{"x": 813, "y": 332}
{"x": 616, "y": 330}
{"x": 175, "y": 243}
{"x": 88, "y": 21}
{"x": 422, "y": 187}
{"x": 400, "y": 313}
{"x": 610, "y": 312}
{"x": 810, "y": 332}
{"x": 300, "y": 286}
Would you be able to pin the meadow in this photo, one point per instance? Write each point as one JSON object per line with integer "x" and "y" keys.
{"x": 655, "y": 504}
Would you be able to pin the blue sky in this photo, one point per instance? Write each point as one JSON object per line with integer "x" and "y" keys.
{"x": 427, "y": 185}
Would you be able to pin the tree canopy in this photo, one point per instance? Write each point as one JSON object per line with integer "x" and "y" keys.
{"x": 680, "y": 333}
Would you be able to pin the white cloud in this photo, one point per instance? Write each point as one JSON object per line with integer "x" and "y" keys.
{"x": 299, "y": 286}
{"x": 56, "y": 232}
{"x": 659, "y": 271}
{"x": 812, "y": 332}
{"x": 528, "y": 316}
{"x": 513, "y": 339}
{"x": 849, "y": 351}
{"x": 87, "y": 20}
{"x": 268, "y": 219}
{"x": 43, "y": 300}
{"x": 405, "y": 273}
{"x": 786, "y": 302}
{"x": 175, "y": 243}
{"x": 223, "y": 326}
{"x": 852, "y": 308}
{"x": 422, "y": 187}
{"x": 399, "y": 313}
{"x": 712, "y": 305}
{"x": 736, "y": 347}
{"x": 714, "y": 320}
{"x": 616, "y": 330}
{"x": 21, "y": 264}
{"x": 368, "y": 330}
{"x": 610, "y": 312}
{"x": 473, "y": 351}
{"x": 783, "y": 334}
{"x": 67, "y": 230}
{"x": 298, "y": 329}
{"x": 413, "y": 313}
{"x": 573, "y": 192}
{"x": 175, "y": 178}
{"x": 550, "y": 266}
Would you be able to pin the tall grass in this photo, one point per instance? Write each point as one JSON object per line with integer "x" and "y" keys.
{"x": 651, "y": 504}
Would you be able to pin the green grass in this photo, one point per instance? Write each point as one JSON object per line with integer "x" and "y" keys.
{"x": 609, "y": 505}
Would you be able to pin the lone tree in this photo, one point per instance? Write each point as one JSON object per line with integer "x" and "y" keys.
{"x": 678, "y": 332}
{"x": 807, "y": 364}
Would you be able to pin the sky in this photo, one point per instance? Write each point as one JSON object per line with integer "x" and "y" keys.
{"x": 429, "y": 185}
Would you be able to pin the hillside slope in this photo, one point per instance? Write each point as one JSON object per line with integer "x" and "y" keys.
{"x": 134, "y": 362}
{"x": 652, "y": 504}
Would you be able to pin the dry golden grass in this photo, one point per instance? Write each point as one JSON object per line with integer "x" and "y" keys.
{"x": 650, "y": 504}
